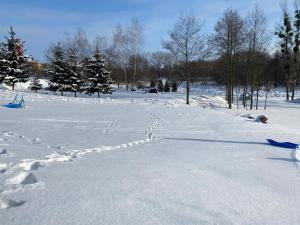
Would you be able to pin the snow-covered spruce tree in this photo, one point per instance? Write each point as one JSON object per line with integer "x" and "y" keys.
{"x": 3, "y": 64}
{"x": 35, "y": 84}
{"x": 160, "y": 86}
{"x": 75, "y": 79}
{"x": 14, "y": 64}
{"x": 98, "y": 78}
{"x": 174, "y": 86}
{"x": 167, "y": 87}
{"x": 58, "y": 70}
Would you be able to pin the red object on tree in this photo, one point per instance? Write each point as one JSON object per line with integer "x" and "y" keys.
{"x": 20, "y": 49}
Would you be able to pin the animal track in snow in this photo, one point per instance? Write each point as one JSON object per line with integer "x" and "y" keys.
{"x": 26, "y": 181}
{"x": 9, "y": 135}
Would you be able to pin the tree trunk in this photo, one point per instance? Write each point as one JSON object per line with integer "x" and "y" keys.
{"x": 228, "y": 88}
{"x": 287, "y": 91}
{"x": 13, "y": 87}
{"x": 237, "y": 99}
{"x": 232, "y": 79}
{"x": 257, "y": 98}
{"x": 98, "y": 94}
{"x": 266, "y": 97}
{"x": 251, "y": 98}
{"x": 126, "y": 80}
{"x": 246, "y": 100}
{"x": 293, "y": 83}
{"x": 75, "y": 94}
{"x": 252, "y": 82}
{"x": 135, "y": 69}
{"x": 188, "y": 92}
{"x": 61, "y": 93}
{"x": 244, "y": 96}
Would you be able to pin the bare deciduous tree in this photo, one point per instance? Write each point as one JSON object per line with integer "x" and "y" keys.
{"x": 186, "y": 44}
{"x": 227, "y": 41}
{"x": 257, "y": 40}
{"x": 136, "y": 42}
{"x": 100, "y": 43}
{"x": 121, "y": 50}
{"x": 162, "y": 62}
{"x": 82, "y": 45}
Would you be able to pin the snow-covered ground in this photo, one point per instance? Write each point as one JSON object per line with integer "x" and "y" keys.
{"x": 136, "y": 158}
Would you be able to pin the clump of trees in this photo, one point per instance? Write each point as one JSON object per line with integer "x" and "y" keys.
{"x": 236, "y": 54}
{"x": 66, "y": 74}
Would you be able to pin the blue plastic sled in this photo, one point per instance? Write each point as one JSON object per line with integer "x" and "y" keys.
{"x": 16, "y": 104}
{"x": 283, "y": 144}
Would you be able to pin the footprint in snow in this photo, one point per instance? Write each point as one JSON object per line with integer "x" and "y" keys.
{"x": 29, "y": 165}
{"x": 3, "y": 167}
{"x": 23, "y": 178}
{"x": 8, "y": 203}
{"x": 3, "y": 151}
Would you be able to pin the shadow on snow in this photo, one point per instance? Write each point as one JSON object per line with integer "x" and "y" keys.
{"x": 217, "y": 141}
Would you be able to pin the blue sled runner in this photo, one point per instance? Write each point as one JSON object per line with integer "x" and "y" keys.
{"x": 283, "y": 144}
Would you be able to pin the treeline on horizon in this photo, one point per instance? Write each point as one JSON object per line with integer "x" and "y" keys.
{"x": 236, "y": 54}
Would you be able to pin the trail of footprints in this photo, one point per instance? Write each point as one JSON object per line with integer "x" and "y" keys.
{"x": 22, "y": 177}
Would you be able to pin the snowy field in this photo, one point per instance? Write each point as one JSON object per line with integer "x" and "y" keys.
{"x": 136, "y": 158}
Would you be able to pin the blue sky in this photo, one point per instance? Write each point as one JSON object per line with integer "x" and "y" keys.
{"x": 42, "y": 22}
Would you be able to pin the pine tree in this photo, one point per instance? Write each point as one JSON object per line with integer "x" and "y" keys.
{"x": 296, "y": 50}
{"x": 167, "y": 87}
{"x": 35, "y": 84}
{"x": 14, "y": 67}
{"x": 160, "y": 86}
{"x": 174, "y": 86}
{"x": 3, "y": 63}
{"x": 152, "y": 84}
{"x": 99, "y": 78}
{"x": 58, "y": 70}
{"x": 285, "y": 34}
{"x": 75, "y": 80}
